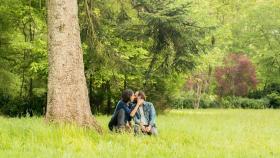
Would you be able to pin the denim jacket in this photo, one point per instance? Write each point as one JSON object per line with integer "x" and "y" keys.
{"x": 149, "y": 113}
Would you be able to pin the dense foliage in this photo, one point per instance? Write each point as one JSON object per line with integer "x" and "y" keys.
{"x": 156, "y": 46}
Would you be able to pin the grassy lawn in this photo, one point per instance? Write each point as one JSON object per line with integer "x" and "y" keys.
{"x": 185, "y": 133}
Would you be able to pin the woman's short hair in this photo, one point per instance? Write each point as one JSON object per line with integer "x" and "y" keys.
{"x": 126, "y": 94}
{"x": 142, "y": 95}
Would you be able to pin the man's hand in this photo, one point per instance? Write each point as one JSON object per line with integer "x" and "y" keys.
{"x": 148, "y": 129}
{"x": 140, "y": 101}
{"x": 143, "y": 128}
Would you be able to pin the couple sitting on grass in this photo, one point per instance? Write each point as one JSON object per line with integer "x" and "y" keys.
{"x": 134, "y": 106}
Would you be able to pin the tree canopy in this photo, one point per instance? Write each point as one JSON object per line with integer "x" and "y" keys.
{"x": 153, "y": 45}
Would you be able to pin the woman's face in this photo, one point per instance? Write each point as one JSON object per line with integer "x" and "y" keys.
{"x": 135, "y": 97}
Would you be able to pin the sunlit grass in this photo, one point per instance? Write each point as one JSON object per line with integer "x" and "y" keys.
{"x": 182, "y": 133}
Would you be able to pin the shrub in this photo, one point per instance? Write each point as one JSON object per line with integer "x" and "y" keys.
{"x": 274, "y": 100}
{"x": 19, "y": 106}
{"x": 206, "y": 101}
{"x": 15, "y": 107}
{"x": 209, "y": 101}
{"x": 269, "y": 89}
{"x": 4, "y": 99}
{"x": 183, "y": 103}
{"x": 245, "y": 103}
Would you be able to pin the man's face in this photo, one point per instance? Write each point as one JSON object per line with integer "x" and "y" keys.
{"x": 132, "y": 98}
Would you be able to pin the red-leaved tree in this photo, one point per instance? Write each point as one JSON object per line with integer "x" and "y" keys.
{"x": 236, "y": 77}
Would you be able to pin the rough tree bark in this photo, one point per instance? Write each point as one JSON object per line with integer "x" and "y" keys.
{"x": 68, "y": 100}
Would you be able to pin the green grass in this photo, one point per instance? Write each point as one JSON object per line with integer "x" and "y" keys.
{"x": 186, "y": 134}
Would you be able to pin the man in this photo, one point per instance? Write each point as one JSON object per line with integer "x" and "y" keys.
{"x": 145, "y": 117}
{"x": 124, "y": 111}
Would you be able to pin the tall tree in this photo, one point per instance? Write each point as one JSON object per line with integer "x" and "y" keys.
{"x": 67, "y": 92}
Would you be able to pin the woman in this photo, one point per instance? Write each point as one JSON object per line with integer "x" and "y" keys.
{"x": 124, "y": 111}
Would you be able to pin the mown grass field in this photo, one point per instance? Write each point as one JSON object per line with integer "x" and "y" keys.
{"x": 185, "y": 133}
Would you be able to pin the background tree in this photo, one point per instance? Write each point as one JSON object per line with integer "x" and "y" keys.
{"x": 237, "y": 77}
{"x": 23, "y": 56}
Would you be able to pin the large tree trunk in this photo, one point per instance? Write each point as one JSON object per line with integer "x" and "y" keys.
{"x": 68, "y": 99}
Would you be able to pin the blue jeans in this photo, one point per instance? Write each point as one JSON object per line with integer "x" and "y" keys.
{"x": 118, "y": 120}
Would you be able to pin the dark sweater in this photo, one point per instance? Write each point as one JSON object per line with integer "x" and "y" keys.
{"x": 127, "y": 109}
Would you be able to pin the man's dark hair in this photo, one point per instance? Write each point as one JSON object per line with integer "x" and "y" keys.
{"x": 126, "y": 94}
{"x": 142, "y": 95}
